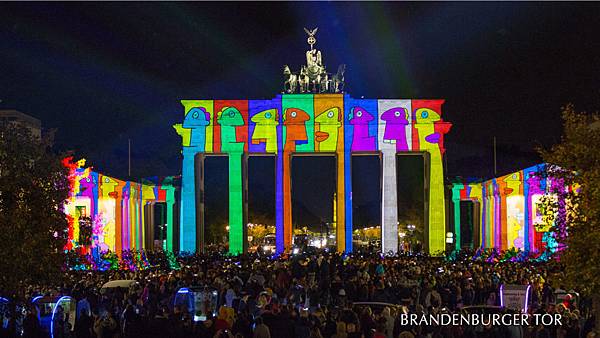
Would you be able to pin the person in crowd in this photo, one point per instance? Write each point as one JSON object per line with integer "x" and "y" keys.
{"x": 341, "y": 330}
{"x": 261, "y": 330}
{"x": 31, "y": 324}
{"x": 105, "y": 326}
{"x": 84, "y": 325}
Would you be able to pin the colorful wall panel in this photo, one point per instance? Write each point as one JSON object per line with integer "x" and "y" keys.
{"x": 115, "y": 207}
{"x": 510, "y": 212}
{"x": 464, "y": 191}
{"x": 334, "y": 124}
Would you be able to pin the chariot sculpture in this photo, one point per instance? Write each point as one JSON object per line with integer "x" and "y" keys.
{"x": 313, "y": 77}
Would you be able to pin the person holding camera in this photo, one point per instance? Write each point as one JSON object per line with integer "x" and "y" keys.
{"x": 105, "y": 325}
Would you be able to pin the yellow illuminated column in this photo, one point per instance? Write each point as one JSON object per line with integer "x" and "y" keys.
{"x": 106, "y": 207}
{"x": 431, "y": 129}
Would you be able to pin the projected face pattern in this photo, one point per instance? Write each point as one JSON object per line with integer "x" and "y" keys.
{"x": 364, "y": 138}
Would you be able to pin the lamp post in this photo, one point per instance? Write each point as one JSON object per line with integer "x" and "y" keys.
{"x": 402, "y": 235}
{"x": 411, "y": 229}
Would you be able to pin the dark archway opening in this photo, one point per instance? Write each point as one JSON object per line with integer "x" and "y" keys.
{"x": 216, "y": 203}
{"x": 366, "y": 203}
{"x": 159, "y": 225}
{"x": 261, "y": 202}
{"x": 468, "y": 221}
{"x": 313, "y": 202}
{"x": 410, "y": 178}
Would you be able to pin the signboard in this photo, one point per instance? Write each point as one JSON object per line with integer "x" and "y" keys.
{"x": 515, "y": 297}
{"x": 562, "y": 296}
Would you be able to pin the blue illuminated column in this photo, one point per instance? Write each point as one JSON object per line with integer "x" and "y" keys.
{"x": 187, "y": 227}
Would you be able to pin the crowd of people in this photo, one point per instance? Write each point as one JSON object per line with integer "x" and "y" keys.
{"x": 305, "y": 296}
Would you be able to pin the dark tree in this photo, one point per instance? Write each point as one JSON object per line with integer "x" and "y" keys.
{"x": 33, "y": 228}
{"x": 575, "y": 163}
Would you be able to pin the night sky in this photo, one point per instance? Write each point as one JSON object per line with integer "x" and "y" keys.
{"x": 107, "y": 72}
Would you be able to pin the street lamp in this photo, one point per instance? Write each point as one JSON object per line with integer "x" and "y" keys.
{"x": 401, "y": 244}
{"x": 411, "y": 229}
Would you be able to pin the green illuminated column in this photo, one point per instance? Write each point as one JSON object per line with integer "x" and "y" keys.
{"x": 170, "y": 200}
{"x": 229, "y": 119}
{"x": 456, "y": 201}
{"x": 236, "y": 204}
{"x": 169, "y": 242}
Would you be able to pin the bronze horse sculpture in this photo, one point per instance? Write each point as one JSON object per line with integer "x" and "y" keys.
{"x": 291, "y": 80}
{"x": 337, "y": 80}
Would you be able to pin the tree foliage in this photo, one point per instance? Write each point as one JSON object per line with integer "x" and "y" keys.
{"x": 33, "y": 227}
{"x": 216, "y": 232}
{"x": 259, "y": 231}
{"x": 412, "y": 216}
{"x": 575, "y": 163}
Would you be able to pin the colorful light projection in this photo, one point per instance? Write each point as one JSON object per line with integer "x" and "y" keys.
{"x": 309, "y": 123}
{"x": 464, "y": 192}
{"x": 509, "y": 209}
{"x": 115, "y": 208}
{"x": 164, "y": 190}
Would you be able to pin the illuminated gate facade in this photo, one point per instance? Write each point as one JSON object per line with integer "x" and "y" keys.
{"x": 310, "y": 123}
{"x": 314, "y": 116}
